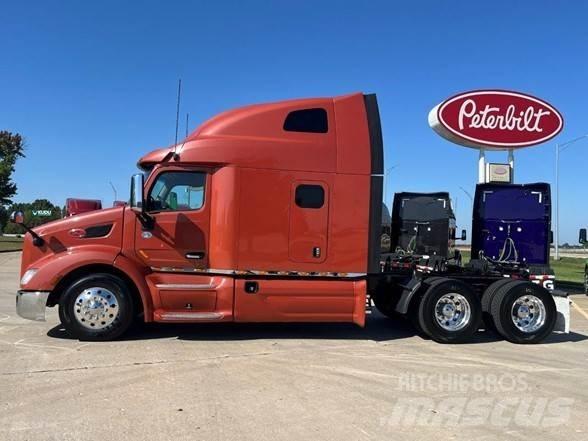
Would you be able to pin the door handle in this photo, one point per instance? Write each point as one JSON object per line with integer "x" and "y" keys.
{"x": 196, "y": 255}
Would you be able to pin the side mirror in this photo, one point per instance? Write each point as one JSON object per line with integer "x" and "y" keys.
{"x": 17, "y": 217}
{"x": 550, "y": 237}
{"x": 137, "y": 203}
{"x": 583, "y": 236}
{"x": 464, "y": 235}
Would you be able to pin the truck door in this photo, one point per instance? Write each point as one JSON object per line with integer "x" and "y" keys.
{"x": 178, "y": 240}
{"x": 309, "y": 221}
{"x": 176, "y": 249}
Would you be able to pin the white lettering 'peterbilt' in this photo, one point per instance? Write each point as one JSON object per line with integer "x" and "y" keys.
{"x": 490, "y": 118}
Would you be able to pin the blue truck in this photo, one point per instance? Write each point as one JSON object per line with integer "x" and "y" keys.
{"x": 511, "y": 225}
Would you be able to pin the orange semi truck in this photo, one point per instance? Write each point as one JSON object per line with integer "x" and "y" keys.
{"x": 267, "y": 213}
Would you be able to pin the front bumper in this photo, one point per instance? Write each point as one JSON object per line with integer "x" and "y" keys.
{"x": 31, "y": 304}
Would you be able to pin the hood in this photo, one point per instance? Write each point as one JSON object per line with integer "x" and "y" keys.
{"x": 100, "y": 227}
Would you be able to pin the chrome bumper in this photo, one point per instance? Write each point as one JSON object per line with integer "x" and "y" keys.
{"x": 31, "y": 304}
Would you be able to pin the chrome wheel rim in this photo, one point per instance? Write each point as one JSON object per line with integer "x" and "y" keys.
{"x": 528, "y": 313}
{"x": 96, "y": 308}
{"x": 452, "y": 312}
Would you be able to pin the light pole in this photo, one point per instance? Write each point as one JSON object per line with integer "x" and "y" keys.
{"x": 558, "y": 149}
{"x": 113, "y": 189}
{"x": 388, "y": 170}
{"x": 468, "y": 194}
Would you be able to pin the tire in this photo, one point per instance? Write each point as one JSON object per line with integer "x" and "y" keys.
{"x": 487, "y": 297}
{"x": 413, "y": 308}
{"x": 534, "y": 301}
{"x": 459, "y": 300}
{"x": 97, "y": 307}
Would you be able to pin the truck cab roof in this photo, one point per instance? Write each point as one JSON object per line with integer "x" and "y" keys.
{"x": 312, "y": 135}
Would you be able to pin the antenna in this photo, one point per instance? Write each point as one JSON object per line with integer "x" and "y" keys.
{"x": 178, "y": 109}
{"x": 187, "y": 122}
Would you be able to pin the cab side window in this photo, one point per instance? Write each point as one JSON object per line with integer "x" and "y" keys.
{"x": 310, "y": 196}
{"x": 177, "y": 191}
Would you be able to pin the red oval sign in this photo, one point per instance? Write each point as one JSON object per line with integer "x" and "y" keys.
{"x": 495, "y": 119}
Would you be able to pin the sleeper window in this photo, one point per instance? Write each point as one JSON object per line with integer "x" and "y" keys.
{"x": 307, "y": 120}
{"x": 177, "y": 191}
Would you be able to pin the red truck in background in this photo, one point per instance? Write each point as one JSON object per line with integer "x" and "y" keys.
{"x": 75, "y": 206}
{"x": 267, "y": 213}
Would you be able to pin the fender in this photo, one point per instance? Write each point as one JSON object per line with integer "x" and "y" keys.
{"x": 53, "y": 267}
{"x": 410, "y": 289}
{"x": 133, "y": 271}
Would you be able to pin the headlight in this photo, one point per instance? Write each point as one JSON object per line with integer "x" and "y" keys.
{"x": 28, "y": 275}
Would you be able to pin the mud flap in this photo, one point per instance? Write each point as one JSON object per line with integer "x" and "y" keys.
{"x": 562, "y": 306}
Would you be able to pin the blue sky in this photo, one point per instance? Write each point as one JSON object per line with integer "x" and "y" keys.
{"x": 92, "y": 85}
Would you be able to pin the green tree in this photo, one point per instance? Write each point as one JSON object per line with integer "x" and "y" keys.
{"x": 3, "y": 218}
{"x": 11, "y": 148}
{"x": 36, "y": 213}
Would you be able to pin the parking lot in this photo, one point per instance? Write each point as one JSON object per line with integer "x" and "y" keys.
{"x": 273, "y": 382}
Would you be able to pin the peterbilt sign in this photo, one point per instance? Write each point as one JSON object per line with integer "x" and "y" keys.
{"x": 495, "y": 119}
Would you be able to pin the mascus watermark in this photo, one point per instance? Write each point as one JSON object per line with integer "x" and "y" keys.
{"x": 514, "y": 403}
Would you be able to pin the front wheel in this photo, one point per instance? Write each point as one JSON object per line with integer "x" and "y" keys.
{"x": 96, "y": 307}
{"x": 449, "y": 312}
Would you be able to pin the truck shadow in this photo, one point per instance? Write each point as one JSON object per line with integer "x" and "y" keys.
{"x": 378, "y": 328}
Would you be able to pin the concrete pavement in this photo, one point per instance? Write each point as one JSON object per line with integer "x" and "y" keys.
{"x": 282, "y": 382}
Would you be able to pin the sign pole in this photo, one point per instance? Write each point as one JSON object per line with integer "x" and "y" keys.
{"x": 511, "y": 163}
{"x": 482, "y": 167}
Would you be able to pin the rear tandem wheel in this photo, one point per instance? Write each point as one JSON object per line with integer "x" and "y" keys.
{"x": 523, "y": 312}
{"x": 449, "y": 311}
